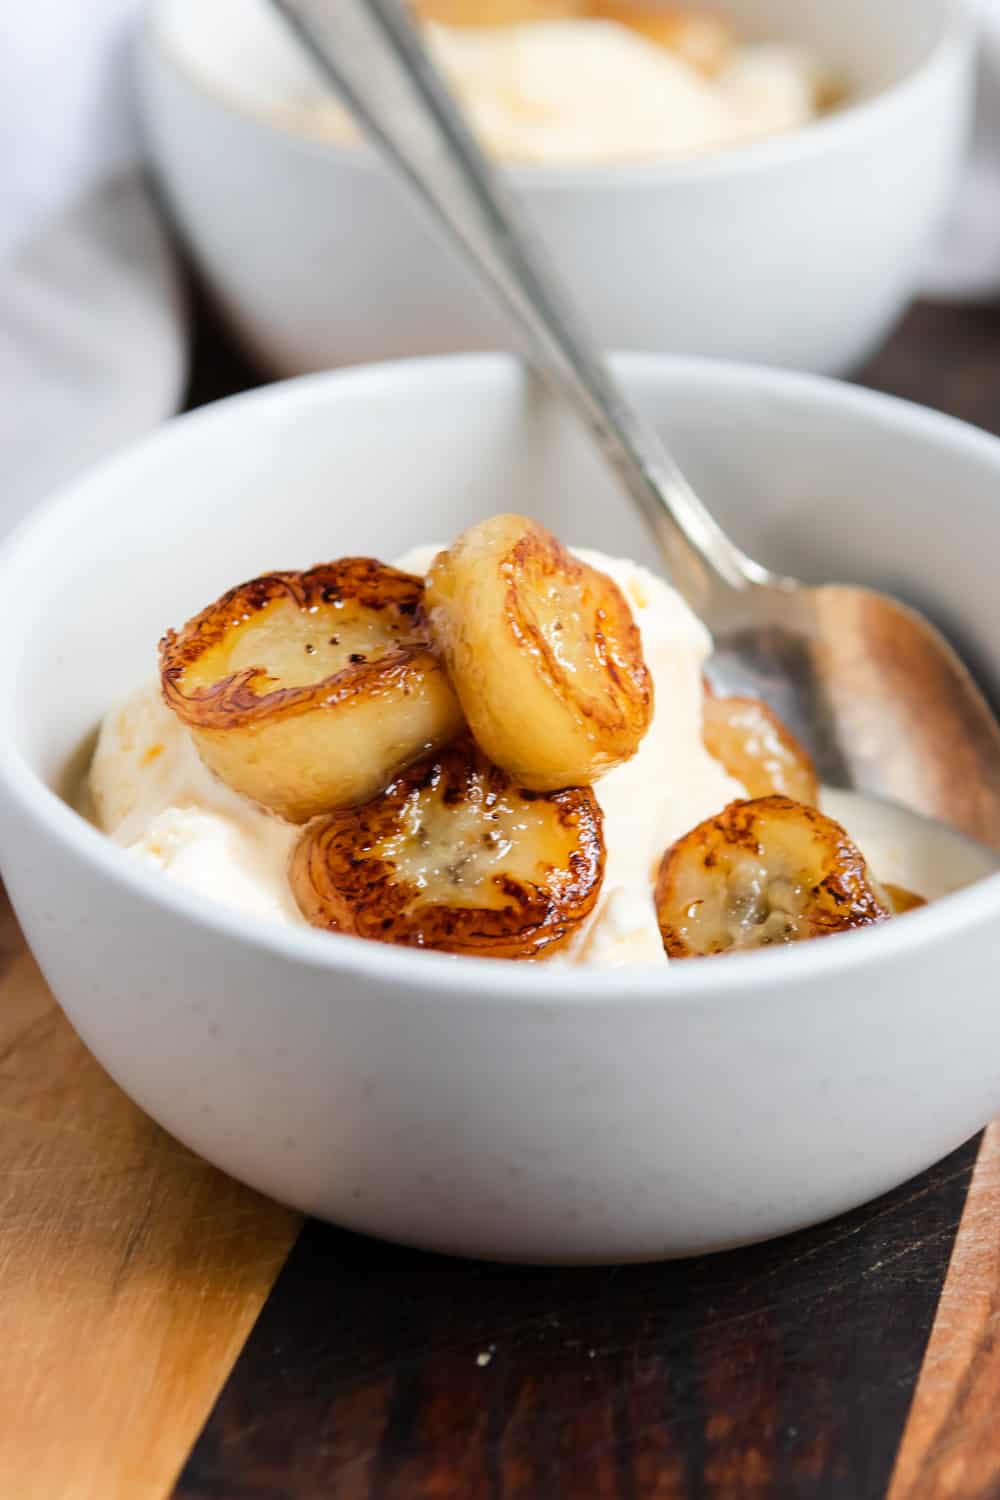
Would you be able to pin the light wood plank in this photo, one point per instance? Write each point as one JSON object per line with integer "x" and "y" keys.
{"x": 950, "y": 1449}
{"x": 130, "y": 1271}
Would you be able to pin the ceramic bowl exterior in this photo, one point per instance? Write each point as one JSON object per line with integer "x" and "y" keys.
{"x": 798, "y": 251}
{"x": 483, "y": 1107}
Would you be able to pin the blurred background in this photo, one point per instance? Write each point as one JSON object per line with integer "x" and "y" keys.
{"x": 771, "y": 180}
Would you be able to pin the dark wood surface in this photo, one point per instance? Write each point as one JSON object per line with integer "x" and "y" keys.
{"x": 941, "y": 355}
{"x": 947, "y": 357}
{"x": 786, "y": 1370}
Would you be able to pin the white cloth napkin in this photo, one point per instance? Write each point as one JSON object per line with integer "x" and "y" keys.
{"x": 92, "y": 333}
{"x": 964, "y": 265}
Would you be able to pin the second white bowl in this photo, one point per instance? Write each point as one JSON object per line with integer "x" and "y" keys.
{"x": 799, "y": 250}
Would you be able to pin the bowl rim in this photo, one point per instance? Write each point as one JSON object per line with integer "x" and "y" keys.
{"x": 445, "y": 976}
{"x": 847, "y": 124}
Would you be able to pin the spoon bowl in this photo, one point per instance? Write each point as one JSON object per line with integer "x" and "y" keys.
{"x": 883, "y": 702}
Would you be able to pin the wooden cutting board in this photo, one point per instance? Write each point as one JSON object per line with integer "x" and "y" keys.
{"x": 951, "y": 1445}
{"x": 130, "y": 1271}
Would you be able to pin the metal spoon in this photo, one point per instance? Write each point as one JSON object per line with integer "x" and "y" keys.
{"x": 879, "y": 697}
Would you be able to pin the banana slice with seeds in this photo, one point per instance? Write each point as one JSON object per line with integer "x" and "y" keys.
{"x": 454, "y": 856}
{"x": 763, "y": 872}
{"x": 309, "y": 691}
{"x": 543, "y": 652}
{"x": 755, "y": 748}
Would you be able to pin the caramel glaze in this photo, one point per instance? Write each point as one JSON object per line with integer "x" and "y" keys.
{"x": 345, "y": 880}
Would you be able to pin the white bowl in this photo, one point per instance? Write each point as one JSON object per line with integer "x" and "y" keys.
{"x": 485, "y": 1107}
{"x": 799, "y": 250}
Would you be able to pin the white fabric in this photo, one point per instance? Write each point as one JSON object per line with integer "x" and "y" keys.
{"x": 92, "y": 334}
{"x": 92, "y": 337}
{"x": 92, "y": 340}
{"x": 965, "y": 263}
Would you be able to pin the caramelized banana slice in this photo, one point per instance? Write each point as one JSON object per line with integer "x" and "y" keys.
{"x": 753, "y": 746}
{"x": 309, "y": 691}
{"x": 703, "y": 40}
{"x": 495, "y": 12}
{"x": 763, "y": 872}
{"x": 454, "y": 856}
{"x": 543, "y": 652}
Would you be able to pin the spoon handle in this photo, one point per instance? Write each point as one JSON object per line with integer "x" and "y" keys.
{"x": 372, "y": 53}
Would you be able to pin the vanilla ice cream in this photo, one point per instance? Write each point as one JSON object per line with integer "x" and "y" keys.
{"x": 153, "y": 795}
{"x": 578, "y": 91}
{"x": 151, "y": 791}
